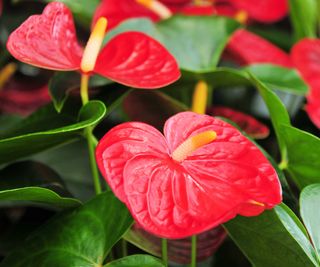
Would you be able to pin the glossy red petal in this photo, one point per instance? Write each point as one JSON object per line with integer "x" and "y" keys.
{"x": 216, "y": 182}
{"x": 306, "y": 57}
{"x": 249, "y": 124}
{"x": 267, "y": 11}
{"x": 47, "y": 40}
{"x": 120, "y": 145}
{"x": 135, "y": 59}
{"x": 117, "y": 11}
{"x": 198, "y": 10}
{"x": 248, "y": 48}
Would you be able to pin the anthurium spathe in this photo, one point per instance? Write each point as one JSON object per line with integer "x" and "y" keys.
{"x": 248, "y": 48}
{"x": 134, "y": 59}
{"x": 247, "y": 123}
{"x": 202, "y": 172}
{"x": 306, "y": 57}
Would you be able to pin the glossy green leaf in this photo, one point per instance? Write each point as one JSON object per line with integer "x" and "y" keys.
{"x": 277, "y": 111}
{"x": 303, "y": 14}
{"x": 152, "y": 107}
{"x": 33, "y": 182}
{"x": 82, "y": 237}
{"x": 63, "y": 83}
{"x": 136, "y": 261}
{"x": 274, "y": 238}
{"x": 46, "y": 128}
{"x": 197, "y": 42}
{"x": 279, "y": 78}
{"x": 309, "y": 209}
{"x": 303, "y": 155}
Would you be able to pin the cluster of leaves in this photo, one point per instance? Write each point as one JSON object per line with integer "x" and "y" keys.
{"x": 44, "y": 162}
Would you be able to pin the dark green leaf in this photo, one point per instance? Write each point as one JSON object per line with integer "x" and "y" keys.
{"x": 63, "y": 83}
{"x": 303, "y": 15}
{"x": 279, "y": 78}
{"x": 136, "y": 261}
{"x": 303, "y": 155}
{"x": 152, "y": 107}
{"x": 274, "y": 238}
{"x": 278, "y": 113}
{"x": 309, "y": 209}
{"x": 46, "y": 128}
{"x": 82, "y": 237}
{"x": 196, "y": 42}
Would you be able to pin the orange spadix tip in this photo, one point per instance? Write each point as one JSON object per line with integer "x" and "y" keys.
{"x": 157, "y": 7}
{"x": 193, "y": 143}
{"x": 200, "y": 98}
{"x": 256, "y": 203}
{"x": 241, "y": 16}
{"x": 93, "y": 46}
{"x": 6, "y": 73}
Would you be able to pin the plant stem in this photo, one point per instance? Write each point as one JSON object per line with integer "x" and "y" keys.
{"x": 193, "y": 251}
{"x": 84, "y": 88}
{"x": 164, "y": 244}
{"x": 90, "y": 137}
{"x": 124, "y": 247}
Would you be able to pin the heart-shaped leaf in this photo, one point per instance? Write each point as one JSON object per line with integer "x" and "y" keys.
{"x": 196, "y": 42}
{"x": 303, "y": 155}
{"x": 46, "y": 128}
{"x": 82, "y": 237}
{"x": 266, "y": 238}
{"x": 136, "y": 261}
{"x": 309, "y": 209}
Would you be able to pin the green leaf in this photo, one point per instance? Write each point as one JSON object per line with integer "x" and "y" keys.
{"x": 63, "y": 83}
{"x": 274, "y": 238}
{"x": 303, "y": 14}
{"x": 309, "y": 209}
{"x": 278, "y": 113}
{"x": 136, "y": 261}
{"x": 279, "y": 78}
{"x": 33, "y": 182}
{"x": 82, "y": 237}
{"x": 152, "y": 107}
{"x": 197, "y": 42}
{"x": 46, "y": 128}
{"x": 303, "y": 155}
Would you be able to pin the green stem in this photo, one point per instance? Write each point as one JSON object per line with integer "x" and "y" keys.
{"x": 164, "y": 244}
{"x": 89, "y": 135}
{"x": 124, "y": 247}
{"x": 193, "y": 251}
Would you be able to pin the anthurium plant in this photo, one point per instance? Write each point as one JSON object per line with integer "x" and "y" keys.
{"x": 160, "y": 133}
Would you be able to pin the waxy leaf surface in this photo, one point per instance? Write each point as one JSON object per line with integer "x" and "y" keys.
{"x": 46, "y": 128}
{"x": 309, "y": 209}
{"x": 306, "y": 55}
{"x": 178, "y": 199}
{"x": 136, "y": 261}
{"x": 47, "y": 40}
{"x": 80, "y": 237}
{"x": 266, "y": 238}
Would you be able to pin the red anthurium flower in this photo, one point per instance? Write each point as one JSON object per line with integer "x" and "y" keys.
{"x": 248, "y": 48}
{"x": 267, "y": 11}
{"x": 306, "y": 57}
{"x": 134, "y": 59}
{"x": 201, "y": 173}
{"x": 249, "y": 124}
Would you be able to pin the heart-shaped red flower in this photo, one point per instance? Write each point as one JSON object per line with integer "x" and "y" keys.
{"x": 248, "y": 48}
{"x": 306, "y": 57}
{"x": 176, "y": 192}
{"x": 132, "y": 58}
